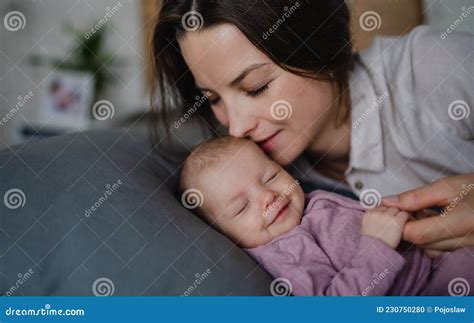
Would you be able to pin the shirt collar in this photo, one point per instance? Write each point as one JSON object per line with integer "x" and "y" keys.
{"x": 367, "y": 151}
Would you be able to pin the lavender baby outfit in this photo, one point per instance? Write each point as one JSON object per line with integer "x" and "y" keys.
{"x": 327, "y": 255}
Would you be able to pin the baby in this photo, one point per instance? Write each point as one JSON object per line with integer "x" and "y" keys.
{"x": 322, "y": 243}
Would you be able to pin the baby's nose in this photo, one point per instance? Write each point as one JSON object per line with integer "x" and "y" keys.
{"x": 268, "y": 198}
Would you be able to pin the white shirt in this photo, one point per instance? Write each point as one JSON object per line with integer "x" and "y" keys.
{"x": 412, "y": 118}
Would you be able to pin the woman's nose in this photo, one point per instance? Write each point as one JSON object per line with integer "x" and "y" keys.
{"x": 241, "y": 122}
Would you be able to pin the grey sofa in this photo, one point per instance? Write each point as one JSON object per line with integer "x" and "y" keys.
{"x": 95, "y": 213}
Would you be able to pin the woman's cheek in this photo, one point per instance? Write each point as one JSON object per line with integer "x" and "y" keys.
{"x": 220, "y": 115}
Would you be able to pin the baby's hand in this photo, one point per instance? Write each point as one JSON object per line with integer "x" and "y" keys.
{"x": 385, "y": 224}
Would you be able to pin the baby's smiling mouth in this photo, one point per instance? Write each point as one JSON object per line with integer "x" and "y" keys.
{"x": 281, "y": 212}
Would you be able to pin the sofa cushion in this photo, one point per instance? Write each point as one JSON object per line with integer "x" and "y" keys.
{"x": 94, "y": 213}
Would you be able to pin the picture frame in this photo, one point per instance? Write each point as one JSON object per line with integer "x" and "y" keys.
{"x": 66, "y": 100}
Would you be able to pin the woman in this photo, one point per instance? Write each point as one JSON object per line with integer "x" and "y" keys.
{"x": 283, "y": 74}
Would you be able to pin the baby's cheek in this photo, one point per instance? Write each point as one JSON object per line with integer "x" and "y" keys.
{"x": 251, "y": 231}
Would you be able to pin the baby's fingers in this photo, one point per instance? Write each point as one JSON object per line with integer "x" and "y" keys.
{"x": 402, "y": 217}
{"x": 432, "y": 253}
{"x": 392, "y": 211}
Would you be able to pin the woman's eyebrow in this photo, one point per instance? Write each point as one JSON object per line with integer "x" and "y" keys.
{"x": 239, "y": 78}
{"x": 245, "y": 72}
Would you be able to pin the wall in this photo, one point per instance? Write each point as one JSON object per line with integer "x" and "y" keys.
{"x": 442, "y": 14}
{"x": 44, "y": 34}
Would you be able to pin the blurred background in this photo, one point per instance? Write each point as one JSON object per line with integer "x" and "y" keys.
{"x": 71, "y": 65}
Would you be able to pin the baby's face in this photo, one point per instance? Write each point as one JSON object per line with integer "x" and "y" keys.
{"x": 251, "y": 198}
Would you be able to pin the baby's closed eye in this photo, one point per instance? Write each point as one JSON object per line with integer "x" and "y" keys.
{"x": 272, "y": 177}
{"x": 242, "y": 208}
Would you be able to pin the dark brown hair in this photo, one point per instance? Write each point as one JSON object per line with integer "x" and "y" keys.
{"x": 310, "y": 38}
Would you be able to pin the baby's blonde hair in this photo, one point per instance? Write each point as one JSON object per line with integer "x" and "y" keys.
{"x": 206, "y": 155}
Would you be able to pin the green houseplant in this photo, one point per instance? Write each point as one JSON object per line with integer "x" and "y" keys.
{"x": 87, "y": 55}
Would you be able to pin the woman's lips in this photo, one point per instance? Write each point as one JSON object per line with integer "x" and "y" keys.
{"x": 268, "y": 144}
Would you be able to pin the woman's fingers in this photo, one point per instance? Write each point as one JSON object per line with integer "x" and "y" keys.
{"x": 423, "y": 231}
{"x": 451, "y": 244}
{"x": 437, "y": 228}
{"x": 426, "y": 230}
{"x": 422, "y": 214}
{"x": 455, "y": 194}
{"x": 438, "y": 193}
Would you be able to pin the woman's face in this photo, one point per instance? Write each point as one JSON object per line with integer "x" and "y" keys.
{"x": 253, "y": 97}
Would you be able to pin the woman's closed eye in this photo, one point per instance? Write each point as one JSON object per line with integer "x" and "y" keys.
{"x": 213, "y": 101}
{"x": 252, "y": 94}
{"x": 258, "y": 91}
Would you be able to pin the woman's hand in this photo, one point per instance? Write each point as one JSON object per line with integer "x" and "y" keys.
{"x": 453, "y": 228}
